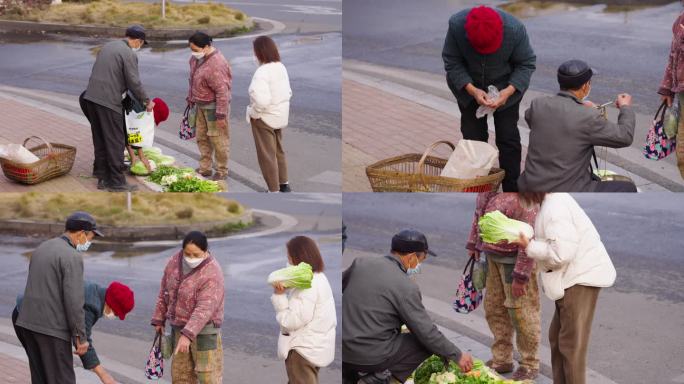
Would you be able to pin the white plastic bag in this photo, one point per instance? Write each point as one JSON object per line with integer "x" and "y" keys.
{"x": 470, "y": 159}
{"x": 140, "y": 129}
{"x": 17, "y": 153}
{"x": 492, "y": 95}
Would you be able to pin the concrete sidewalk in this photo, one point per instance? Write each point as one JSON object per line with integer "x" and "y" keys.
{"x": 390, "y": 111}
{"x": 22, "y": 120}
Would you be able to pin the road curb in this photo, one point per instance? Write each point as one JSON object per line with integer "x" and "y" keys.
{"x": 147, "y": 233}
{"x": 163, "y": 34}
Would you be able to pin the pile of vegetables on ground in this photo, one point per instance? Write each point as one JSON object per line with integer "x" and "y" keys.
{"x": 298, "y": 276}
{"x": 170, "y": 177}
{"x": 433, "y": 371}
{"x": 495, "y": 227}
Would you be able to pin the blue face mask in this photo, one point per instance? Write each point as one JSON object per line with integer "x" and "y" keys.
{"x": 83, "y": 247}
{"x": 413, "y": 271}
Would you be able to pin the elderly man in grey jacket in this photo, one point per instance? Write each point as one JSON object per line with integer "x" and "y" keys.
{"x": 51, "y": 318}
{"x": 380, "y": 297}
{"x": 563, "y": 132}
{"x": 114, "y": 73}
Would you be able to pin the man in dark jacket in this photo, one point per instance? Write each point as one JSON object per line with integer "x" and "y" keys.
{"x": 486, "y": 47}
{"x": 563, "y": 132}
{"x": 115, "y": 71}
{"x": 51, "y": 318}
{"x": 380, "y": 297}
{"x": 115, "y": 301}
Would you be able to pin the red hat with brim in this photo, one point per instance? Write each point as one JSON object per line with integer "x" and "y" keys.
{"x": 120, "y": 299}
{"x": 484, "y": 29}
{"x": 160, "y": 110}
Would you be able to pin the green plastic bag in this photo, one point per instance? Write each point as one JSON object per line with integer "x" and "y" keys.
{"x": 672, "y": 119}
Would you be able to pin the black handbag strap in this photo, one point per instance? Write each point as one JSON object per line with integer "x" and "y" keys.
{"x": 661, "y": 111}
{"x": 471, "y": 264}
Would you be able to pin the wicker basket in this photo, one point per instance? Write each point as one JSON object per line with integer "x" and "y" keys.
{"x": 55, "y": 160}
{"x": 421, "y": 173}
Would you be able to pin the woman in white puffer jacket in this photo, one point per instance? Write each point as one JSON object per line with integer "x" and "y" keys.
{"x": 307, "y": 317}
{"x": 268, "y": 113}
{"x": 574, "y": 266}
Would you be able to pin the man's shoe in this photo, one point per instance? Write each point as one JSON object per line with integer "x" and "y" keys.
{"x": 101, "y": 185}
{"x": 500, "y": 368}
{"x": 203, "y": 173}
{"x": 285, "y": 187}
{"x": 523, "y": 374}
{"x": 122, "y": 188}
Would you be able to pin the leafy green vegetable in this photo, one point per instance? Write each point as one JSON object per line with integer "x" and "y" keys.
{"x": 193, "y": 184}
{"x": 495, "y": 227}
{"x": 298, "y": 276}
{"x": 165, "y": 170}
{"x": 443, "y": 378}
{"x": 432, "y": 364}
{"x": 139, "y": 169}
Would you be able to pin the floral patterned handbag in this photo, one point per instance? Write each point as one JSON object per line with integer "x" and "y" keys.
{"x": 468, "y": 298}
{"x": 187, "y": 126}
{"x": 154, "y": 369}
{"x": 658, "y": 146}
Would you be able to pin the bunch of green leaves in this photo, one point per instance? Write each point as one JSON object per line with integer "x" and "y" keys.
{"x": 495, "y": 227}
{"x": 298, "y": 276}
{"x": 166, "y": 170}
{"x": 193, "y": 184}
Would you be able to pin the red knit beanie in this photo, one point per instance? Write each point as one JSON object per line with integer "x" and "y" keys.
{"x": 484, "y": 29}
{"x": 161, "y": 111}
{"x": 120, "y": 299}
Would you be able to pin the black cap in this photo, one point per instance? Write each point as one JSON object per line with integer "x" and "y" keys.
{"x": 410, "y": 240}
{"x": 574, "y": 73}
{"x": 82, "y": 221}
{"x": 136, "y": 32}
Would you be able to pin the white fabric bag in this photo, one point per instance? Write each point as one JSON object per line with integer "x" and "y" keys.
{"x": 470, "y": 159}
{"x": 17, "y": 153}
{"x": 140, "y": 129}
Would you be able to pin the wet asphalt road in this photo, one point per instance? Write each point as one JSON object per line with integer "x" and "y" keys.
{"x": 636, "y": 320}
{"x": 628, "y": 49}
{"x": 249, "y": 323}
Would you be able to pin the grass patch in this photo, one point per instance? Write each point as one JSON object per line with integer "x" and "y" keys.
{"x": 110, "y": 208}
{"x": 113, "y": 13}
{"x": 231, "y": 227}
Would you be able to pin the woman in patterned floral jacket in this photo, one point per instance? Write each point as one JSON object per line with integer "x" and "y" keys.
{"x": 672, "y": 87}
{"x": 191, "y": 300}
{"x": 512, "y": 298}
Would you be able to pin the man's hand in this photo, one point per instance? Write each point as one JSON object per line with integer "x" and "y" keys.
{"x": 518, "y": 288}
{"x": 81, "y": 349}
{"x": 504, "y": 94}
{"x": 623, "y": 100}
{"x": 474, "y": 253}
{"x": 466, "y": 362}
{"x": 150, "y": 106}
{"x": 479, "y": 95}
{"x": 667, "y": 99}
{"x": 183, "y": 345}
{"x": 278, "y": 288}
{"x": 222, "y": 125}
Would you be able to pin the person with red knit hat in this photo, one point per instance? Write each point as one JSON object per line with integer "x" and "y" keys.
{"x": 117, "y": 300}
{"x": 486, "y": 46}
{"x": 161, "y": 114}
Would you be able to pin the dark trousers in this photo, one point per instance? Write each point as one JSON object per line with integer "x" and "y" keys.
{"x": 616, "y": 186}
{"x": 507, "y": 138}
{"x": 109, "y": 142}
{"x": 50, "y": 358}
{"x": 410, "y": 355}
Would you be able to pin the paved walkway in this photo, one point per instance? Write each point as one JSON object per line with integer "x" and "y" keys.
{"x": 23, "y": 120}
{"x": 391, "y": 111}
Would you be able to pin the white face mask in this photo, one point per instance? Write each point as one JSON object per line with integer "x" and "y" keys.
{"x": 83, "y": 247}
{"x": 197, "y": 55}
{"x": 193, "y": 262}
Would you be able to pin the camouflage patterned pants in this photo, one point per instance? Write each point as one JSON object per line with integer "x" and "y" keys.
{"x": 204, "y": 363}
{"x": 506, "y": 314}
{"x": 212, "y": 142}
